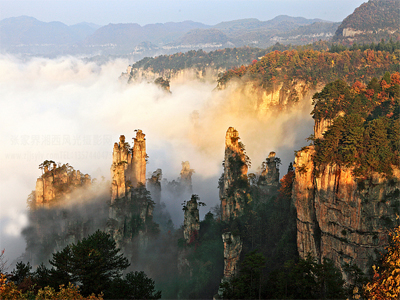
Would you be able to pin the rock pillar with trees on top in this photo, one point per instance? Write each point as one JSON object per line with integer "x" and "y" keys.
{"x": 233, "y": 182}
{"x": 269, "y": 178}
{"x": 191, "y": 223}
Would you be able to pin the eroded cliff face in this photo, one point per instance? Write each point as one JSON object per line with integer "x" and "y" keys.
{"x": 342, "y": 217}
{"x": 235, "y": 169}
{"x": 191, "y": 223}
{"x": 281, "y": 95}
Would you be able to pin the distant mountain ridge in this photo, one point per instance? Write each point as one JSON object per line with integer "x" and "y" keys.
{"x": 29, "y": 35}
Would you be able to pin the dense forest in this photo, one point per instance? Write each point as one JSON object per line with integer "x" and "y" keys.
{"x": 372, "y": 142}
{"x": 314, "y": 67}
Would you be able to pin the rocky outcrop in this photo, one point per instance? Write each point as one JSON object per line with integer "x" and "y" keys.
{"x": 128, "y": 168}
{"x": 269, "y": 178}
{"x": 232, "y": 250}
{"x": 339, "y": 216}
{"x": 191, "y": 223}
{"x": 57, "y": 183}
{"x": 235, "y": 170}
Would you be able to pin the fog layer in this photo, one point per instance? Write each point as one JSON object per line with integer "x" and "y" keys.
{"x": 72, "y": 112}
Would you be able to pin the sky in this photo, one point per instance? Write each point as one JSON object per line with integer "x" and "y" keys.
{"x": 210, "y": 12}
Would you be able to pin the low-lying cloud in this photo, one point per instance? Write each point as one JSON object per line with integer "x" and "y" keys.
{"x": 72, "y": 111}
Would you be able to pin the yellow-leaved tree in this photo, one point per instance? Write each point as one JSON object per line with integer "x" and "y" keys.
{"x": 386, "y": 281}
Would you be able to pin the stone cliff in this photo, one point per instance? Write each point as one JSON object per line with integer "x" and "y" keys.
{"x": 339, "y": 216}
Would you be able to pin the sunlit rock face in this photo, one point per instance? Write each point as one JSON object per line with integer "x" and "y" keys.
{"x": 235, "y": 168}
{"x": 339, "y": 216}
{"x": 191, "y": 223}
{"x": 57, "y": 183}
{"x": 128, "y": 168}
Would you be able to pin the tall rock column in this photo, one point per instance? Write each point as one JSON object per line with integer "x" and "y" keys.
{"x": 235, "y": 169}
{"x": 139, "y": 157}
{"x": 269, "y": 179}
{"x": 119, "y": 169}
{"x": 191, "y": 223}
{"x": 234, "y": 189}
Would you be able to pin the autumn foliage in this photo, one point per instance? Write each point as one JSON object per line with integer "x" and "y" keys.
{"x": 386, "y": 281}
{"x": 314, "y": 67}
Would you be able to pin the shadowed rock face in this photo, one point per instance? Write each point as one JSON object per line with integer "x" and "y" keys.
{"x": 269, "y": 179}
{"x": 191, "y": 223}
{"x": 339, "y": 216}
{"x": 154, "y": 186}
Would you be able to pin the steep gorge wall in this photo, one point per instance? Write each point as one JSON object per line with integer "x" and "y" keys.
{"x": 339, "y": 216}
